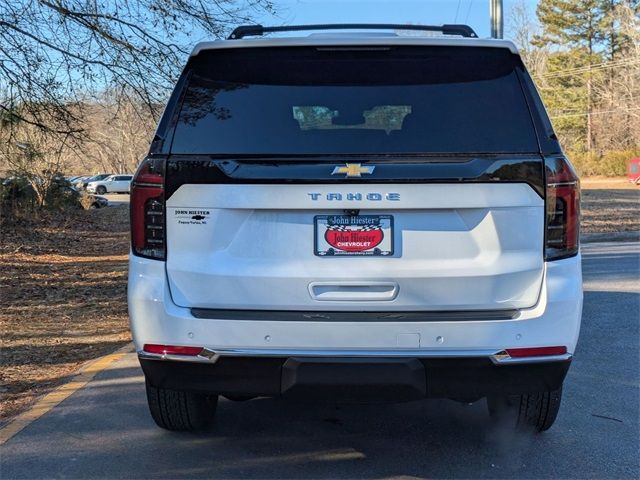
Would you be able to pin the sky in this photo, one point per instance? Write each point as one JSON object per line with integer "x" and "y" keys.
{"x": 434, "y": 12}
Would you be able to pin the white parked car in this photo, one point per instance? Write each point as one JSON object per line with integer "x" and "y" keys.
{"x": 111, "y": 184}
{"x": 361, "y": 217}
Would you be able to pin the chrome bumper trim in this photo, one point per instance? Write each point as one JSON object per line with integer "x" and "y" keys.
{"x": 499, "y": 357}
{"x": 503, "y": 358}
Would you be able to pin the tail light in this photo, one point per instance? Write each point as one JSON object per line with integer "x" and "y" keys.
{"x": 147, "y": 210}
{"x": 563, "y": 209}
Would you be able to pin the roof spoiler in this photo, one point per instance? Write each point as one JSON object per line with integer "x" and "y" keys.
{"x": 259, "y": 30}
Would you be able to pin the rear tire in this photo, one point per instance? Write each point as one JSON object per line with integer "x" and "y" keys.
{"x": 180, "y": 411}
{"x": 535, "y": 411}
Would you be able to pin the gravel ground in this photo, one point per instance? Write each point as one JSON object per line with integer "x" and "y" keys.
{"x": 610, "y": 205}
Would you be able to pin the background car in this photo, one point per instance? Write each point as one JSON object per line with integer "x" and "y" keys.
{"x": 112, "y": 184}
{"x": 95, "y": 178}
{"x": 78, "y": 181}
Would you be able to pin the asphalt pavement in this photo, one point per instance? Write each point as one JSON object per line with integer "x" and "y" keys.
{"x": 105, "y": 431}
{"x": 117, "y": 199}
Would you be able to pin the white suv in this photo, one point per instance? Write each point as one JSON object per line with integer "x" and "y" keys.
{"x": 111, "y": 184}
{"x": 345, "y": 217}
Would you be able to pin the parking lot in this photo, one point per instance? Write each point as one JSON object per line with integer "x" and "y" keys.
{"x": 105, "y": 431}
{"x": 117, "y": 199}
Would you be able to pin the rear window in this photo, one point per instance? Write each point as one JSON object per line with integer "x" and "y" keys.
{"x": 301, "y": 100}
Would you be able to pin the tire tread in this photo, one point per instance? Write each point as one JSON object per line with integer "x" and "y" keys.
{"x": 539, "y": 410}
{"x": 532, "y": 411}
{"x": 178, "y": 410}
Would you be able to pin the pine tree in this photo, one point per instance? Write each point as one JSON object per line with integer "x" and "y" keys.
{"x": 589, "y": 80}
{"x": 572, "y": 23}
{"x": 576, "y": 25}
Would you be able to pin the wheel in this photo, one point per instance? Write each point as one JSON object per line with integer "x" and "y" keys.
{"x": 180, "y": 411}
{"x": 535, "y": 411}
{"x": 101, "y": 190}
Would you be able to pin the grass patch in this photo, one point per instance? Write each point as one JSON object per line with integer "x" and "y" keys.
{"x": 609, "y": 205}
{"x": 63, "y": 281}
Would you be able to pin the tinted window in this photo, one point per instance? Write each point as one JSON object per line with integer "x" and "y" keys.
{"x": 315, "y": 101}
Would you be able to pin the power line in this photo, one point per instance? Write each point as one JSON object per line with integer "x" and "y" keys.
{"x": 457, "y": 10}
{"x": 466, "y": 18}
{"x": 584, "y": 114}
{"x": 594, "y": 65}
{"x": 593, "y": 68}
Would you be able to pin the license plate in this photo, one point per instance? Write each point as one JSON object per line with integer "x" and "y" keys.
{"x": 352, "y": 235}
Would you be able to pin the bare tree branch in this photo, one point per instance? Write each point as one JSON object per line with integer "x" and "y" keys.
{"x": 57, "y": 54}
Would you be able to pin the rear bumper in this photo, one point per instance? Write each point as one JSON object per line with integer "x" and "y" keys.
{"x": 357, "y": 378}
{"x": 553, "y": 321}
{"x": 336, "y": 354}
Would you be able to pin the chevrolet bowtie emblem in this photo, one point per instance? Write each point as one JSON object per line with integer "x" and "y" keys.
{"x": 353, "y": 170}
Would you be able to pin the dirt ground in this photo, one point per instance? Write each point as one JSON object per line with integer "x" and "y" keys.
{"x": 610, "y": 205}
{"x": 63, "y": 284}
{"x": 63, "y": 300}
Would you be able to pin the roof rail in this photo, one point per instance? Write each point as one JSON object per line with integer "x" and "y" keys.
{"x": 258, "y": 30}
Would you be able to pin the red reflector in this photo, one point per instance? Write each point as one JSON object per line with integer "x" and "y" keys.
{"x": 172, "y": 350}
{"x": 536, "y": 351}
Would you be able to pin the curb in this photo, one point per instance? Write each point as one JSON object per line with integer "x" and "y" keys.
{"x": 60, "y": 393}
{"x": 632, "y": 236}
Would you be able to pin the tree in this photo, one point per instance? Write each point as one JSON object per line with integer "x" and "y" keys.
{"x": 589, "y": 31}
{"x": 618, "y": 92}
{"x": 118, "y": 136}
{"x": 522, "y": 28}
{"x": 54, "y": 54}
{"x": 563, "y": 87}
{"x": 31, "y": 157}
{"x": 574, "y": 23}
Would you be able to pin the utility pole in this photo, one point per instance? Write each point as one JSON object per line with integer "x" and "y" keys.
{"x": 497, "y": 21}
